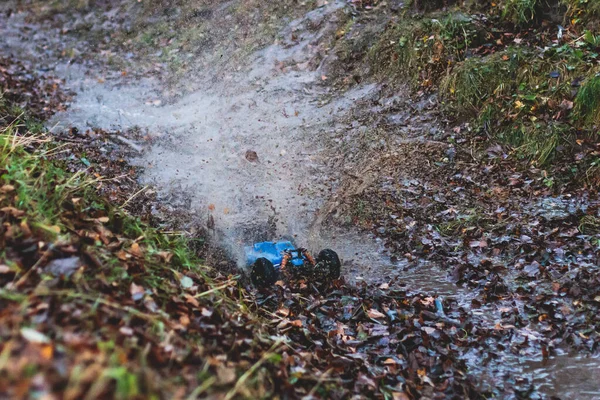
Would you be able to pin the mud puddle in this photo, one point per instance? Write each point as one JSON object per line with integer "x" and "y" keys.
{"x": 248, "y": 151}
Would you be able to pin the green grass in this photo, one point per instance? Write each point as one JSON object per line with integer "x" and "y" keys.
{"x": 582, "y": 12}
{"x": 476, "y": 82}
{"x": 520, "y": 12}
{"x": 537, "y": 142}
{"x": 421, "y": 50}
{"x": 50, "y": 196}
{"x": 587, "y": 102}
{"x": 589, "y": 225}
{"x": 524, "y": 97}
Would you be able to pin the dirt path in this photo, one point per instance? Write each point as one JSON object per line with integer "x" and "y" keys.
{"x": 249, "y": 153}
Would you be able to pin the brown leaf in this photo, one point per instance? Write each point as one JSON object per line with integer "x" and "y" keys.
{"x": 7, "y": 189}
{"x": 297, "y": 323}
{"x": 283, "y": 311}
{"x": 122, "y": 255}
{"x": 165, "y": 256}
{"x": 136, "y": 250}
{"x": 373, "y": 313}
{"x": 184, "y": 320}
{"x": 226, "y": 375}
{"x": 400, "y": 396}
{"x": 13, "y": 211}
{"x": 191, "y": 300}
{"x": 251, "y": 156}
{"x": 25, "y": 228}
{"x": 47, "y": 352}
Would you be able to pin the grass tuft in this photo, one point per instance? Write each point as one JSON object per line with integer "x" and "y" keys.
{"x": 587, "y": 102}
{"x": 421, "y": 50}
{"x": 476, "y": 81}
{"x": 521, "y": 12}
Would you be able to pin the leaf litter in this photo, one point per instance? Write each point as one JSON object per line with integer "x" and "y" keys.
{"x": 557, "y": 248}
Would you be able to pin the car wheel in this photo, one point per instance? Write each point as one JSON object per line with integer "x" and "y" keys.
{"x": 263, "y": 273}
{"x": 328, "y": 264}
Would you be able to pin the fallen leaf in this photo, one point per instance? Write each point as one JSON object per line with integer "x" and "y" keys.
{"x": 428, "y": 330}
{"x": 186, "y": 282}
{"x": 7, "y": 189}
{"x": 63, "y": 266}
{"x": 226, "y": 375}
{"x": 373, "y": 313}
{"x": 34, "y": 336}
{"x": 191, "y": 300}
{"x": 251, "y": 156}
{"x": 135, "y": 250}
{"x": 184, "y": 320}
{"x": 47, "y": 352}
{"x": 125, "y": 330}
{"x": 137, "y": 292}
{"x": 283, "y": 311}
{"x": 297, "y": 323}
{"x": 13, "y": 211}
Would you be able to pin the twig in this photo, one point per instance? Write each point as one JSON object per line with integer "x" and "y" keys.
{"x": 128, "y": 142}
{"x": 133, "y": 196}
{"x": 39, "y": 262}
{"x": 201, "y": 388}
{"x": 111, "y": 304}
{"x": 321, "y": 379}
{"x": 251, "y": 371}
{"x": 216, "y": 289}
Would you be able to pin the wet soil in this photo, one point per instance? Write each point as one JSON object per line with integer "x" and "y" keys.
{"x": 270, "y": 151}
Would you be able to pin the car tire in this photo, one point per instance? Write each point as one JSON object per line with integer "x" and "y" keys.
{"x": 328, "y": 264}
{"x": 263, "y": 273}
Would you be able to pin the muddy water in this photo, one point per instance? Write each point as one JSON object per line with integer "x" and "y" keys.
{"x": 248, "y": 151}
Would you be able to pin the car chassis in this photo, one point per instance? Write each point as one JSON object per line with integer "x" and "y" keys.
{"x": 268, "y": 260}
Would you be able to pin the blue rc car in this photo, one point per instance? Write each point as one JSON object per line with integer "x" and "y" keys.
{"x": 267, "y": 260}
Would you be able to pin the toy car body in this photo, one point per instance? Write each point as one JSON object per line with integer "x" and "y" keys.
{"x": 268, "y": 259}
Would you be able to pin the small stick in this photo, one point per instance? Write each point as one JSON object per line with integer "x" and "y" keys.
{"x": 249, "y": 373}
{"x": 133, "y": 196}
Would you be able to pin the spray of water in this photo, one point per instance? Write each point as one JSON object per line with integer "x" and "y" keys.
{"x": 246, "y": 149}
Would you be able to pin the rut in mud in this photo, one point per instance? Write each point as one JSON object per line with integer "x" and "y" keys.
{"x": 249, "y": 155}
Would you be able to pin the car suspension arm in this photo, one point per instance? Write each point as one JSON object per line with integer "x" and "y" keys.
{"x": 310, "y": 258}
{"x": 287, "y": 256}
